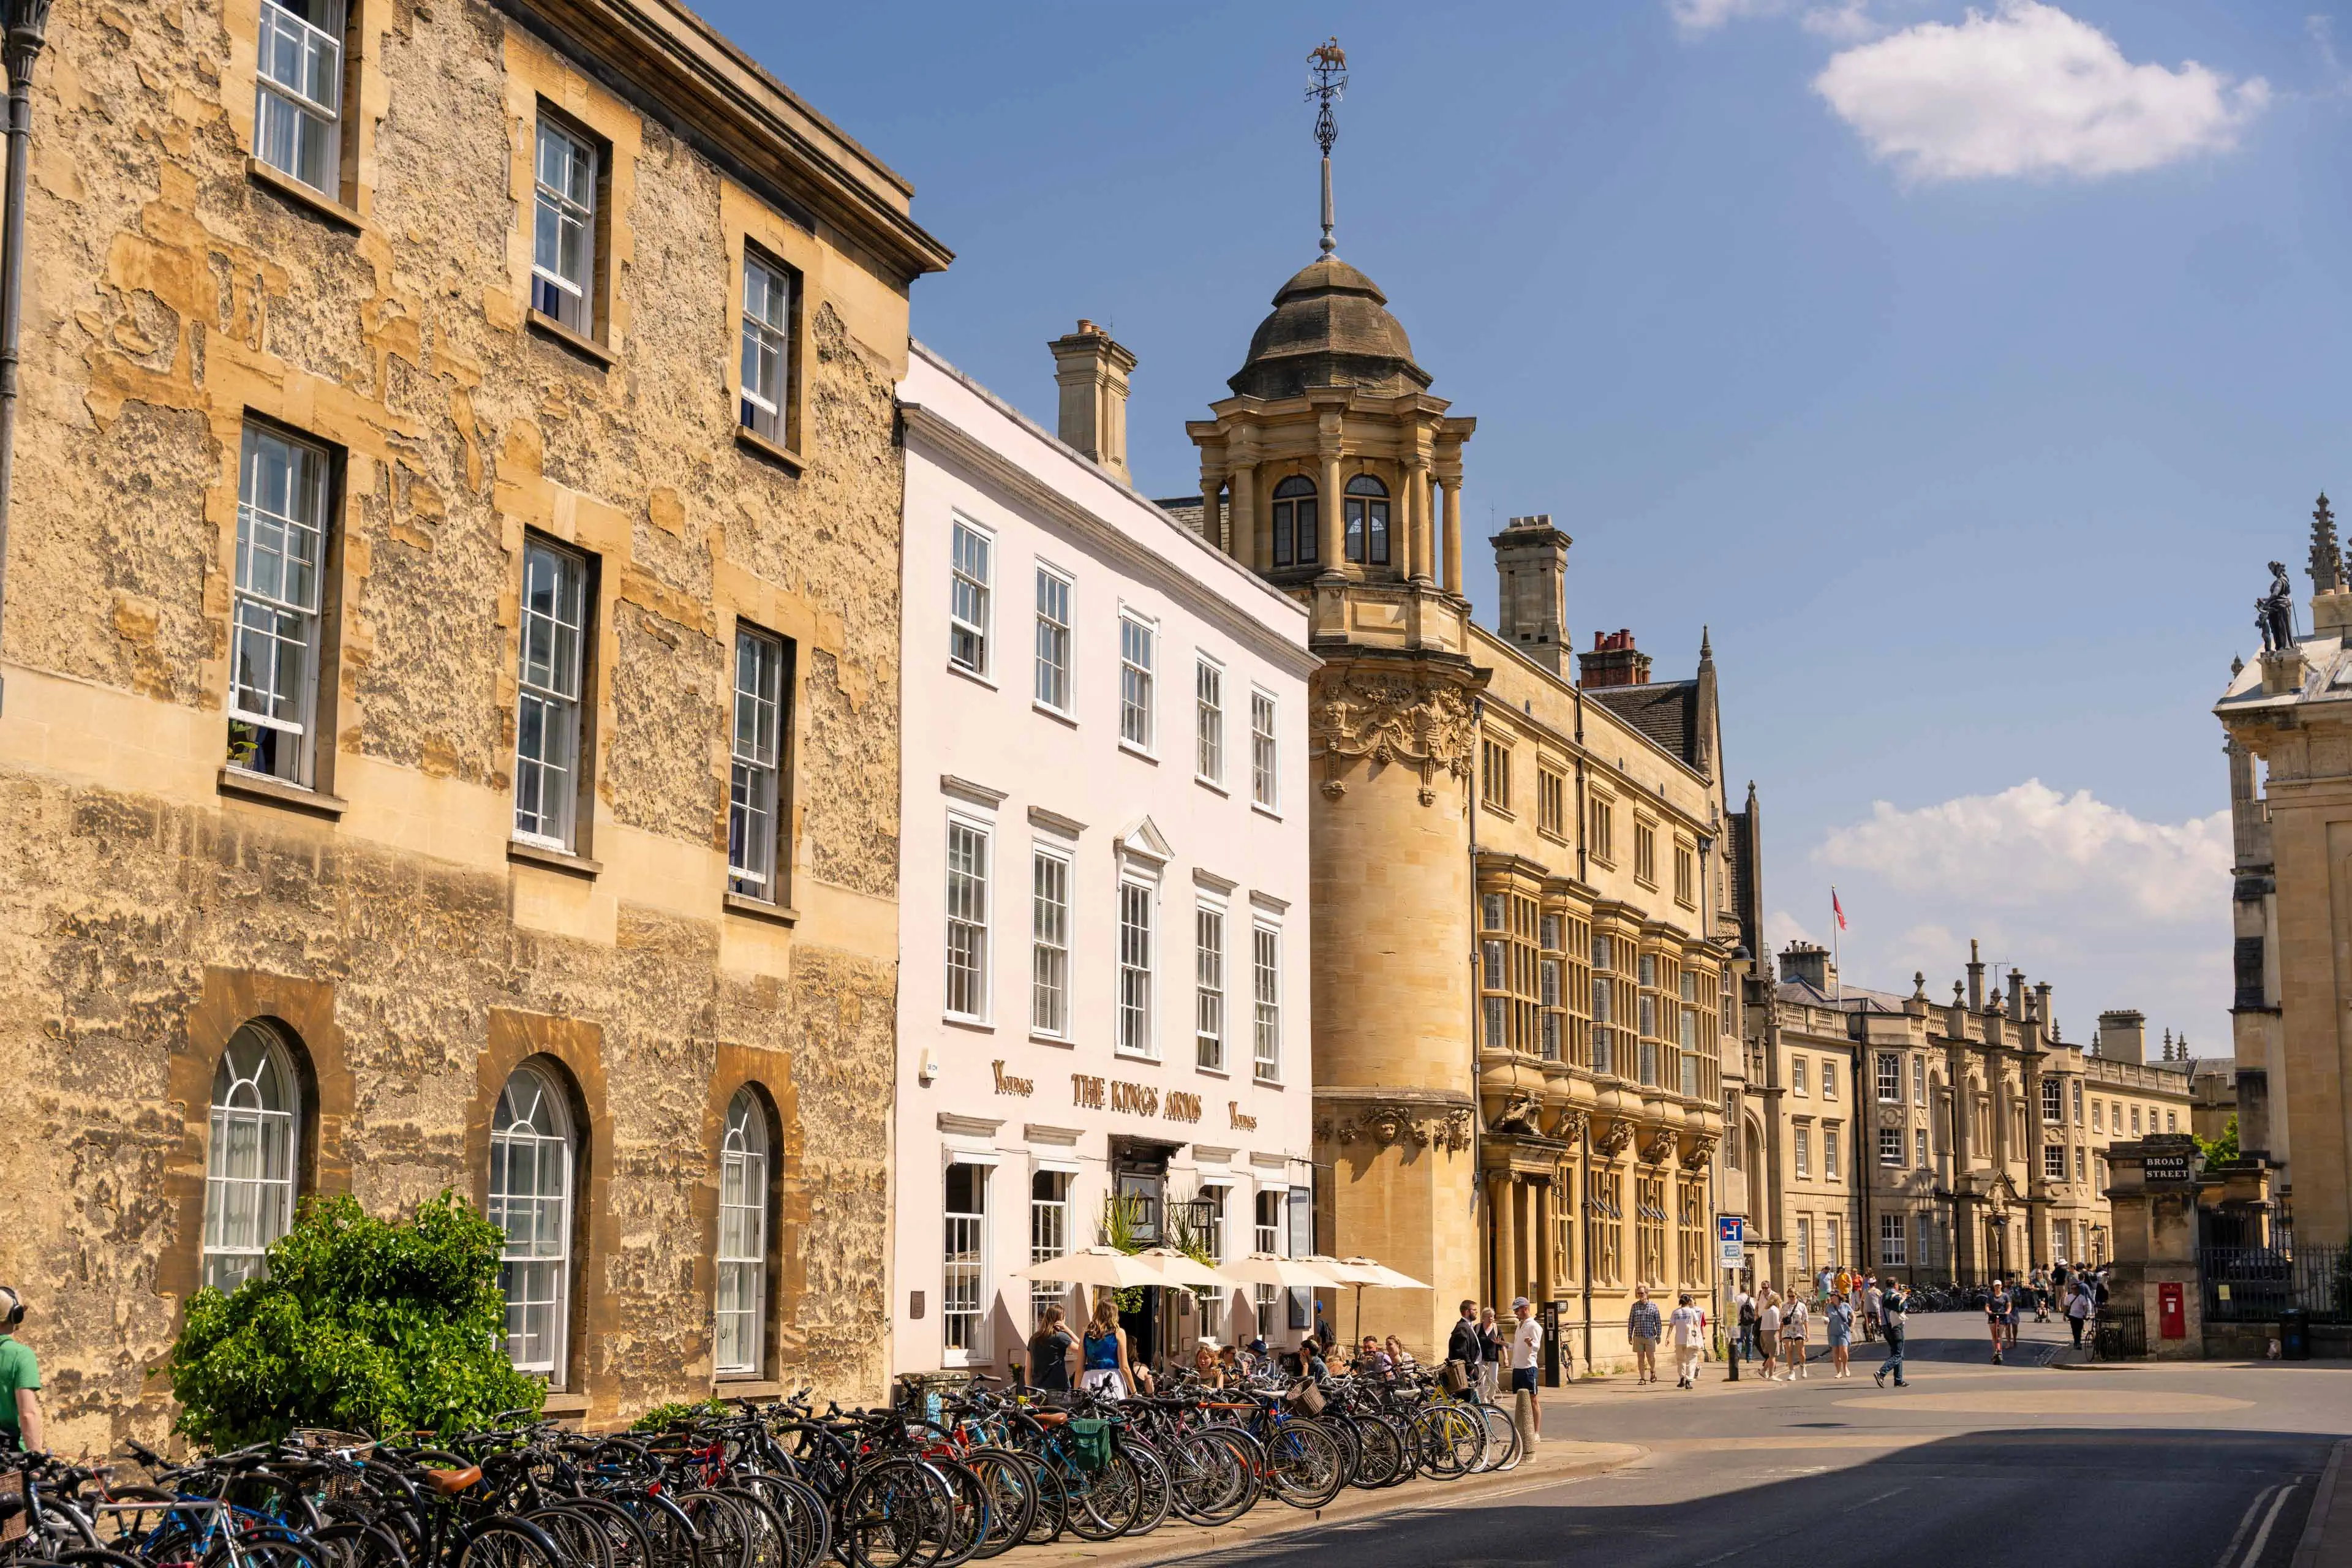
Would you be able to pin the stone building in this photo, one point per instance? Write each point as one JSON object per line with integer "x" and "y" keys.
{"x": 2291, "y": 712}
{"x": 451, "y": 728}
{"x": 1867, "y": 1156}
{"x": 1105, "y": 895}
{"x": 1522, "y": 911}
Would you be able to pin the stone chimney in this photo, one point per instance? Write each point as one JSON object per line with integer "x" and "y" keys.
{"x": 1531, "y": 567}
{"x": 2123, "y": 1036}
{"x": 1976, "y": 978}
{"x": 1092, "y": 373}
{"x": 1613, "y": 661}
{"x": 1810, "y": 962}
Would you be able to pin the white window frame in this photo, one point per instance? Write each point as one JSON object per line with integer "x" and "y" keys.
{"x": 1051, "y": 878}
{"x": 962, "y": 923}
{"x": 1889, "y": 1068}
{"x": 953, "y": 1264}
{"x": 1919, "y": 1081}
{"x": 1803, "y": 1146}
{"x": 1832, "y": 1135}
{"x": 1892, "y": 1251}
{"x": 1266, "y": 750}
{"x": 281, "y": 567}
{"x": 1050, "y": 1236}
{"x": 1890, "y": 1147}
{"x": 2053, "y": 1155}
{"x": 755, "y": 771}
{"x": 1138, "y": 658}
{"x": 298, "y": 112}
{"x": 565, "y": 195}
{"x": 1797, "y": 1075}
{"x": 766, "y": 368}
{"x": 1920, "y": 1155}
{"x": 1267, "y": 1238}
{"x": 1210, "y": 989}
{"x": 251, "y": 1157}
{"x": 1054, "y": 686}
{"x": 1135, "y": 984}
{"x": 1208, "y": 720}
{"x": 550, "y": 665}
{"x": 1829, "y": 1078}
{"x": 971, "y": 594}
{"x": 533, "y": 1119}
{"x": 742, "y": 1300}
{"x": 1265, "y": 1000}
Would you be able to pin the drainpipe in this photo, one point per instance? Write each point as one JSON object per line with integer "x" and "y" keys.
{"x": 1478, "y": 1020}
{"x": 28, "y": 25}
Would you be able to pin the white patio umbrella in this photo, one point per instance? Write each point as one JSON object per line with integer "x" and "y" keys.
{"x": 1181, "y": 1269}
{"x": 1285, "y": 1273}
{"x": 1363, "y": 1271}
{"x": 1106, "y": 1267}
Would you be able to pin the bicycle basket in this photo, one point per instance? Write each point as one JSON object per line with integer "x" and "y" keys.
{"x": 322, "y": 1440}
{"x": 1304, "y": 1397}
{"x": 1089, "y": 1442}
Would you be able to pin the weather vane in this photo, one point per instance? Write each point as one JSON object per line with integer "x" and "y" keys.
{"x": 1329, "y": 66}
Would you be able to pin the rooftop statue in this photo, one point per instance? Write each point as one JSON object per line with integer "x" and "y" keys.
{"x": 2274, "y": 611}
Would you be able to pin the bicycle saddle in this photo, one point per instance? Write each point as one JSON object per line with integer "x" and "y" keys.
{"x": 449, "y": 1483}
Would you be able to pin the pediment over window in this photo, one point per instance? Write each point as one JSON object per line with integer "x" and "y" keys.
{"x": 1144, "y": 842}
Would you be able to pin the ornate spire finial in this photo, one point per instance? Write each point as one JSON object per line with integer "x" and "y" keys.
{"x": 1329, "y": 66}
{"x": 1705, "y": 646}
{"x": 2326, "y": 554}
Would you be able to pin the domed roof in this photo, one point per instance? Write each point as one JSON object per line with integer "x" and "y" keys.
{"x": 1330, "y": 327}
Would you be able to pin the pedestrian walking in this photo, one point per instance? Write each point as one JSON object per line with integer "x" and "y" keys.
{"x": 1893, "y": 1310}
{"x": 2078, "y": 1312}
{"x": 1794, "y": 1327}
{"x": 1688, "y": 1326}
{"x": 2016, "y": 1304}
{"x": 1874, "y": 1308}
{"x": 1997, "y": 1318}
{"x": 1493, "y": 1347}
{"x": 1527, "y": 1354}
{"x": 1768, "y": 1330}
{"x": 1745, "y": 1304}
{"x": 1642, "y": 1332}
{"x": 1837, "y": 1324}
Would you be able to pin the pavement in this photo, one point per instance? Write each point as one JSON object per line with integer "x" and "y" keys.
{"x": 2198, "y": 1465}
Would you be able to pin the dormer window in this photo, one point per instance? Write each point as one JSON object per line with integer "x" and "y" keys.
{"x": 1296, "y": 521}
{"x": 1367, "y": 518}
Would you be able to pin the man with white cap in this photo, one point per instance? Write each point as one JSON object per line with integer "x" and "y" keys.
{"x": 1527, "y": 1353}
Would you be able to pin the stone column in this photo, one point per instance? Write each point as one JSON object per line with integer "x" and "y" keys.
{"x": 1547, "y": 1282}
{"x": 1212, "y": 528}
{"x": 1455, "y": 535}
{"x": 1248, "y": 548}
{"x": 1334, "y": 549}
{"x": 1498, "y": 1239}
{"x": 1416, "y": 563}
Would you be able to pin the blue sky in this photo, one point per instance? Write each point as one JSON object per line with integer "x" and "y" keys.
{"x": 1960, "y": 371}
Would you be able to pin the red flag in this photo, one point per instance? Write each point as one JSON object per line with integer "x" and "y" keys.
{"x": 1837, "y": 909}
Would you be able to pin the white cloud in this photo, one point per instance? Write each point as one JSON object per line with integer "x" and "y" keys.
{"x": 2030, "y": 846}
{"x": 2024, "y": 89}
{"x": 1706, "y": 16}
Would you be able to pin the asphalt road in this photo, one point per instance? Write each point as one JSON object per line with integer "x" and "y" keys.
{"x": 2198, "y": 1467}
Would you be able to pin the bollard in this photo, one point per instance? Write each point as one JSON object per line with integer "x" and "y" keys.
{"x": 1524, "y": 1416}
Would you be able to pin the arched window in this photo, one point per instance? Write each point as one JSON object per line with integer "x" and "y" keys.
{"x": 531, "y": 1197}
{"x": 1295, "y": 524}
{"x": 249, "y": 1160}
{"x": 743, "y": 1235}
{"x": 1368, "y": 520}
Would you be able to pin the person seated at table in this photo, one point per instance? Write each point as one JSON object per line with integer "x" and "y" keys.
{"x": 1205, "y": 1367}
{"x": 1371, "y": 1358}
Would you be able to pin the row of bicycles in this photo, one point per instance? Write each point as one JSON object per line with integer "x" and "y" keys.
{"x": 946, "y": 1481}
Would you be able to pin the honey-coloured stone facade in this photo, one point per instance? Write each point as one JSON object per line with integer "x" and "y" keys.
{"x": 178, "y": 291}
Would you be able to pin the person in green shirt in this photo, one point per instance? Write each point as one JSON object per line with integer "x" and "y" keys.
{"x": 20, "y": 1379}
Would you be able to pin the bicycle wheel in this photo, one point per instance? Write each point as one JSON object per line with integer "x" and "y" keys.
{"x": 1104, "y": 1502}
{"x": 631, "y": 1545}
{"x": 1303, "y": 1463}
{"x": 98, "y": 1557}
{"x": 1012, "y": 1498}
{"x": 348, "y": 1543}
{"x": 771, "y": 1542}
{"x": 1504, "y": 1450}
{"x": 1153, "y": 1496}
{"x": 1210, "y": 1482}
{"x": 724, "y": 1526}
{"x": 1380, "y": 1453}
{"x": 1050, "y": 1515}
{"x": 808, "y": 1528}
{"x": 579, "y": 1539}
{"x": 1447, "y": 1440}
{"x": 505, "y": 1542}
{"x": 884, "y": 1515}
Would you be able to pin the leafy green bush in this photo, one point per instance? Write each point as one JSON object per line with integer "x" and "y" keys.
{"x": 662, "y": 1417}
{"x": 2221, "y": 1151}
{"x": 361, "y": 1324}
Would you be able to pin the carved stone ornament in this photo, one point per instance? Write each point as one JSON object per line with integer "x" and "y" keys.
{"x": 1521, "y": 1114}
{"x": 1572, "y": 1126}
{"x": 1890, "y": 1116}
{"x": 1611, "y": 1143}
{"x": 1428, "y": 728}
{"x": 1660, "y": 1147}
{"x": 1414, "y": 1126}
{"x": 1333, "y": 789}
{"x": 1702, "y": 1153}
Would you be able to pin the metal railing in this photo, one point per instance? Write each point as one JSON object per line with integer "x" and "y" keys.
{"x": 2255, "y": 1284}
{"x": 2118, "y": 1333}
